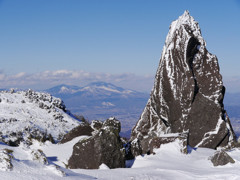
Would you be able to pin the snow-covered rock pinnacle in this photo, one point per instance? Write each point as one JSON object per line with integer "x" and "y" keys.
{"x": 188, "y": 92}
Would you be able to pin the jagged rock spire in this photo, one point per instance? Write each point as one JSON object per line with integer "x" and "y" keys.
{"x": 188, "y": 91}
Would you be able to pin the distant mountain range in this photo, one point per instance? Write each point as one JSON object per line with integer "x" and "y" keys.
{"x": 101, "y": 100}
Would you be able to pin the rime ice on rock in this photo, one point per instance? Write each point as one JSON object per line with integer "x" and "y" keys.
{"x": 188, "y": 92}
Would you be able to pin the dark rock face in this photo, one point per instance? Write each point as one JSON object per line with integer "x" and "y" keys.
{"x": 82, "y": 129}
{"x": 135, "y": 149}
{"x": 221, "y": 158}
{"x": 105, "y": 146}
{"x": 188, "y": 92}
{"x": 96, "y": 125}
{"x": 147, "y": 145}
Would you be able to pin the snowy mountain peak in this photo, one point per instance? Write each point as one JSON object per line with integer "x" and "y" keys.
{"x": 181, "y": 30}
{"x": 104, "y": 86}
{"x": 186, "y": 16}
{"x": 95, "y": 87}
{"x": 185, "y": 19}
{"x": 186, "y": 12}
{"x": 63, "y": 89}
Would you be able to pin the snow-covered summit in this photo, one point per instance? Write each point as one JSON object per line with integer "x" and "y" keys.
{"x": 29, "y": 114}
{"x": 92, "y": 88}
{"x": 63, "y": 89}
{"x": 104, "y": 88}
{"x": 187, "y": 22}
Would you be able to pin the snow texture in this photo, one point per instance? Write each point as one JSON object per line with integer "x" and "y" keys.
{"x": 168, "y": 163}
{"x": 29, "y": 114}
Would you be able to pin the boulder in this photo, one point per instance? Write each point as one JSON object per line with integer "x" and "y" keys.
{"x": 103, "y": 147}
{"x": 221, "y": 158}
{"x": 82, "y": 129}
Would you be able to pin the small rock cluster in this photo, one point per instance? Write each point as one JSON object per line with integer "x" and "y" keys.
{"x": 104, "y": 146}
{"x": 45, "y": 100}
{"x": 38, "y": 155}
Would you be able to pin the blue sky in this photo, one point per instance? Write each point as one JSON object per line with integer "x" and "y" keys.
{"x": 107, "y": 36}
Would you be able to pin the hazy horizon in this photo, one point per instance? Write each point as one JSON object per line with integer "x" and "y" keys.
{"x": 47, "y": 43}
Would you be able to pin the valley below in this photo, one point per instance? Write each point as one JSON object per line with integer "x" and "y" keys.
{"x": 101, "y": 100}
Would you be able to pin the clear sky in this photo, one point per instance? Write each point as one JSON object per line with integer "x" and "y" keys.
{"x": 107, "y": 36}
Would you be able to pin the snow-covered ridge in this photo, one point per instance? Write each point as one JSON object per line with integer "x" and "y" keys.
{"x": 29, "y": 114}
{"x": 96, "y": 87}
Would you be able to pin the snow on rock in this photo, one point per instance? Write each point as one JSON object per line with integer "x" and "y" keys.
{"x": 6, "y": 160}
{"x": 38, "y": 155}
{"x": 23, "y": 167}
{"x": 104, "y": 146}
{"x": 83, "y": 129}
{"x": 188, "y": 92}
{"x": 26, "y": 115}
{"x": 96, "y": 125}
{"x": 103, "y": 166}
{"x": 56, "y": 169}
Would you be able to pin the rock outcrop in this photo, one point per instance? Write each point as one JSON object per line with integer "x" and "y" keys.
{"x": 103, "y": 147}
{"x": 38, "y": 155}
{"x": 221, "y": 158}
{"x": 81, "y": 130}
{"x": 27, "y": 115}
{"x": 188, "y": 92}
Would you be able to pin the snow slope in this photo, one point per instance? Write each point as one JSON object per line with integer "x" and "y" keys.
{"x": 167, "y": 164}
{"x": 25, "y": 113}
